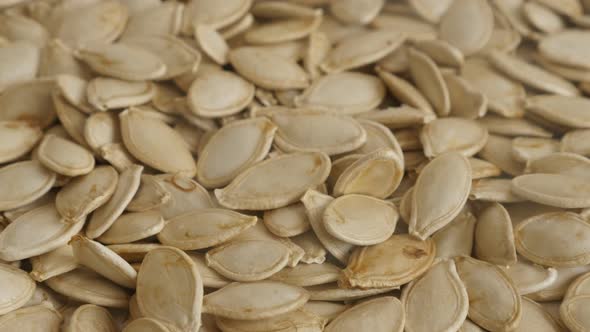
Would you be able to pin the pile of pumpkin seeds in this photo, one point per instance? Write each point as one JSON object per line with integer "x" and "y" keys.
{"x": 294, "y": 165}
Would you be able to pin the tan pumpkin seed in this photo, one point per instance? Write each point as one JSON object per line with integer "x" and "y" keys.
{"x": 73, "y": 89}
{"x": 145, "y": 324}
{"x": 574, "y": 313}
{"x": 360, "y": 220}
{"x": 102, "y": 128}
{"x": 212, "y": 43}
{"x": 326, "y": 93}
{"x": 529, "y": 277}
{"x": 211, "y": 278}
{"x": 361, "y": 176}
{"x": 391, "y": 263}
{"x": 91, "y": 318}
{"x": 263, "y": 299}
{"x": 24, "y": 182}
{"x": 86, "y": 193}
{"x": 20, "y": 291}
{"x": 278, "y": 31}
{"x": 576, "y": 141}
{"x": 352, "y": 12}
{"x": 308, "y": 274}
{"x": 331, "y": 292}
{"x": 542, "y": 18}
{"x": 536, "y": 318}
{"x": 314, "y": 251}
{"x": 362, "y": 49}
{"x": 541, "y": 239}
{"x": 268, "y": 70}
{"x": 133, "y": 252}
{"x": 498, "y": 304}
{"x": 498, "y": 151}
{"x": 185, "y": 195}
{"x": 298, "y": 172}
{"x": 107, "y": 93}
{"x": 163, "y": 19}
{"x": 494, "y": 237}
{"x": 414, "y": 28}
{"x": 453, "y": 134}
{"x": 58, "y": 59}
{"x": 103, "y": 261}
{"x": 298, "y": 319}
{"x": 469, "y": 326}
{"x": 395, "y": 62}
{"x": 287, "y": 221}
{"x": 278, "y": 10}
{"x": 150, "y": 195}
{"x": 219, "y": 164}
{"x": 430, "y": 10}
{"x": 317, "y": 49}
{"x": 71, "y": 118}
{"x": 173, "y": 272}
{"x": 53, "y": 263}
{"x": 380, "y": 314}
{"x": 117, "y": 155}
{"x": 442, "y": 52}
{"x": 477, "y": 15}
{"x": 566, "y": 111}
{"x": 28, "y": 101}
{"x": 37, "y": 318}
{"x": 556, "y": 290}
{"x": 20, "y": 63}
{"x": 429, "y": 81}
{"x": 64, "y": 157}
{"x": 483, "y": 169}
{"x": 505, "y": 96}
{"x": 164, "y": 151}
{"x": 20, "y": 27}
{"x": 526, "y": 149}
{"x": 17, "y": 138}
{"x": 493, "y": 190}
{"x": 324, "y": 309}
{"x": 466, "y": 100}
{"x": 567, "y": 47}
{"x": 430, "y": 210}
{"x": 378, "y": 137}
{"x": 567, "y": 72}
{"x": 531, "y": 75}
{"x": 440, "y": 285}
{"x": 52, "y": 233}
{"x": 399, "y": 117}
{"x": 213, "y": 13}
{"x": 456, "y": 238}
{"x": 404, "y": 91}
{"x": 133, "y": 227}
{"x": 88, "y": 287}
{"x": 558, "y": 190}
{"x": 578, "y": 287}
{"x": 560, "y": 163}
{"x": 214, "y": 226}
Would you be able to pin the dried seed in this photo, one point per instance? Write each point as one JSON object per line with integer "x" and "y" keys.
{"x": 41, "y": 317}
{"x": 562, "y": 110}
{"x": 414, "y": 28}
{"x": 477, "y": 15}
{"x": 278, "y": 31}
{"x": 528, "y": 277}
{"x": 90, "y": 318}
{"x": 575, "y": 141}
{"x": 493, "y": 190}
{"x": 429, "y": 81}
{"x": 102, "y": 128}
{"x": 404, "y": 91}
{"x": 466, "y": 100}
{"x": 498, "y": 151}
{"x": 133, "y": 227}
{"x": 185, "y": 195}
{"x": 287, "y": 221}
{"x": 28, "y": 101}
{"x": 456, "y": 238}
{"x": 574, "y": 313}
{"x": 24, "y": 182}
{"x": 71, "y": 118}
{"x": 494, "y": 237}
{"x": 17, "y": 139}
{"x": 557, "y": 190}
{"x": 542, "y": 18}
{"x": 381, "y": 314}
{"x": 53, "y": 263}
{"x": 64, "y": 157}
{"x": 453, "y": 134}
{"x": 150, "y": 195}
{"x": 331, "y": 292}
{"x": 162, "y": 19}
{"x": 526, "y": 149}
{"x": 20, "y": 63}
{"x": 20, "y": 291}
{"x": 107, "y": 93}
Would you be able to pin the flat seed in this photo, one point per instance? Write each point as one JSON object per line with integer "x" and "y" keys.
{"x": 219, "y": 163}
{"x": 123, "y": 61}
{"x": 28, "y": 101}
{"x": 308, "y": 274}
{"x": 278, "y": 31}
{"x": 494, "y": 237}
{"x": 381, "y": 314}
{"x": 73, "y": 89}
{"x": 466, "y": 100}
{"x": 298, "y": 319}
{"x": 493, "y": 190}
{"x": 71, "y": 118}
{"x": 399, "y": 117}
{"x": 23, "y": 183}
{"x": 268, "y": 70}
{"x": 498, "y": 151}
{"x": 331, "y": 292}
{"x": 531, "y": 75}
{"x": 324, "y": 309}
{"x": 145, "y": 324}
{"x": 526, "y": 149}
{"x": 211, "y": 278}
{"x": 483, "y": 169}
{"x": 185, "y": 195}
{"x": 567, "y": 47}
{"x": 58, "y": 59}
{"x": 318, "y": 48}
{"x": 535, "y": 317}
{"x": 453, "y": 134}
{"x": 378, "y": 137}
{"x": 297, "y": 171}
{"x": 263, "y": 299}
{"x": 103, "y": 261}
{"x": 133, "y": 252}
{"x": 574, "y": 313}
{"x": 279, "y": 10}
{"x": 86, "y": 193}
{"x": 363, "y": 49}
{"x": 352, "y": 12}
{"x": 560, "y": 163}
{"x": 566, "y": 111}
{"x": 441, "y": 52}
{"x": 107, "y": 93}
{"x": 404, "y": 91}
{"x": 576, "y": 141}
{"x": 360, "y": 220}
{"x": 163, "y": 19}
{"x": 440, "y": 285}
{"x": 105, "y": 215}
{"x": 41, "y": 317}
{"x": 469, "y": 326}
{"x": 558, "y": 190}
{"x": 214, "y": 227}
{"x": 117, "y": 155}
{"x": 314, "y": 251}
{"x": 430, "y": 10}
{"x": 88, "y": 287}
{"x": 498, "y": 305}
{"x": 287, "y": 221}
{"x": 542, "y": 18}
{"x": 430, "y": 210}
{"x": 556, "y": 290}
{"x": 133, "y": 227}
{"x": 325, "y": 93}
{"x": 20, "y": 63}
{"x": 164, "y": 151}
{"x": 414, "y": 28}
{"x": 456, "y": 238}
{"x": 17, "y": 138}
{"x": 296, "y": 132}
{"x": 580, "y": 286}
{"x": 102, "y": 128}
{"x": 213, "y": 13}
{"x": 20, "y": 291}
{"x": 529, "y": 277}
{"x": 392, "y": 263}
{"x": 64, "y": 157}
{"x": 172, "y": 271}
{"x": 429, "y": 81}
{"x": 150, "y": 195}
{"x": 91, "y": 318}
{"x": 53, "y": 263}
{"x": 477, "y": 15}
{"x": 377, "y": 174}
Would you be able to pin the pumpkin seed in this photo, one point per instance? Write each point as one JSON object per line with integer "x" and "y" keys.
{"x": 90, "y": 318}
{"x": 264, "y": 299}
{"x": 278, "y": 10}
{"x": 17, "y": 139}
{"x": 71, "y": 118}
{"x": 308, "y": 274}
{"x": 440, "y": 285}
{"x": 399, "y": 117}
{"x": 133, "y": 227}
{"x": 314, "y": 251}
{"x": 163, "y": 19}
{"x": 145, "y": 324}
{"x": 560, "y": 163}
{"x": 65, "y": 157}
{"x": 566, "y": 47}
{"x": 381, "y": 314}
{"x": 534, "y": 316}
{"x": 404, "y": 91}
{"x": 20, "y": 291}
{"x": 575, "y": 141}
{"x": 172, "y": 271}
{"x": 86, "y": 193}
{"x": 28, "y": 101}
{"x": 494, "y": 237}
{"x": 360, "y": 220}
{"x": 494, "y": 190}
{"x": 185, "y": 195}
{"x": 442, "y": 52}
{"x": 24, "y": 182}
{"x": 41, "y": 317}
{"x": 331, "y": 292}
{"x": 285, "y": 30}
{"x": 352, "y": 12}
{"x": 287, "y": 221}
{"x": 456, "y": 238}
{"x": 542, "y": 18}
{"x": 453, "y": 134}
{"x": 102, "y": 128}
{"x": 429, "y": 81}
{"x": 53, "y": 263}
{"x": 483, "y": 169}
{"x": 526, "y": 149}
{"x": 211, "y": 278}
{"x": 477, "y": 15}
{"x": 324, "y": 309}
{"x": 558, "y": 190}
{"x": 556, "y": 290}
{"x": 107, "y": 93}
{"x": 498, "y": 151}
{"x": 413, "y": 27}
{"x": 215, "y": 226}
{"x": 574, "y": 313}
{"x": 529, "y": 277}
{"x": 566, "y": 111}
{"x": 150, "y": 195}
{"x": 20, "y": 63}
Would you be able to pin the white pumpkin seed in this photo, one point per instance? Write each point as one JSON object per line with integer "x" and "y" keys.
{"x": 494, "y": 237}
{"x": 23, "y": 183}
{"x": 107, "y": 93}
{"x": 430, "y": 10}
{"x": 37, "y": 318}
{"x": 558, "y": 190}
{"x": 71, "y": 118}
{"x": 526, "y": 149}
{"x": 314, "y": 251}
{"x": 493, "y": 190}
{"x": 53, "y": 263}
{"x": 17, "y": 138}
{"x": 91, "y": 318}
{"x": 353, "y": 12}
{"x": 498, "y": 151}
{"x": 562, "y": 110}
{"x": 456, "y": 238}
{"x": 278, "y": 31}
{"x": 483, "y": 169}
{"x": 536, "y": 318}
{"x": 20, "y": 62}
{"x": 557, "y": 289}
{"x": 466, "y": 100}
{"x": 145, "y": 324}
{"x": 150, "y": 195}
{"x": 399, "y": 117}
{"x": 163, "y": 19}
{"x": 185, "y": 195}
{"x": 542, "y": 18}
{"x": 102, "y": 128}
{"x": 567, "y": 47}
{"x": 574, "y": 313}
{"x": 453, "y": 134}
{"x": 575, "y": 141}
{"x": 287, "y": 221}
{"x": 413, "y": 27}
{"x": 133, "y": 227}
{"x": 28, "y": 101}
{"x": 429, "y": 81}
{"x": 404, "y": 91}
{"x": 331, "y": 292}
{"x": 380, "y": 315}
{"x": 477, "y": 15}
{"x": 211, "y": 278}
{"x": 529, "y": 277}
{"x": 64, "y": 157}
{"x": 20, "y": 291}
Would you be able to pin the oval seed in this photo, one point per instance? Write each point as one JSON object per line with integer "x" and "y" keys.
{"x": 29, "y": 101}
{"x": 53, "y": 263}
{"x": 150, "y": 195}
{"x": 580, "y": 286}
{"x": 108, "y": 93}
{"x": 429, "y": 80}
{"x": 441, "y": 52}
{"x": 162, "y": 149}
{"x": 219, "y": 162}
{"x": 466, "y": 101}
{"x": 536, "y": 318}
{"x": 391, "y": 263}
{"x": 73, "y": 90}
{"x": 297, "y": 132}
{"x": 41, "y": 317}
{"x": 494, "y": 237}
{"x": 526, "y": 149}
{"x": 456, "y": 238}
{"x": 477, "y": 15}
{"x": 105, "y": 215}
{"x": 170, "y": 271}
{"x": 498, "y": 305}
{"x": 71, "y": 118}
{"x": 299, "y": 319}
{"x": 453, "y": 134}
{"x": 211, "y": 278}
{"x": 255, "y": 300}
{"x": 576, "y": 141}
{"x": 378, "y": 137}
{"x": 325, "y": 309}
{"x": 308, "y": 274}
{"x": 574, "y": 313}
{"x": 212, "y": 43}
{"x": 326, "y": 93}
{"x": 89, "y": 318}
{"x": 51, "y": 233}
{"x": 404, "y": 91}
{"x": 24, "y": 182}
{"x": 203, "y": 228}
{"x": 399, "y": 117}
{"x": 528, "y": 277}
{"x": 498, "y": 151}
{"x": 379, "y": 315}
{"x": 431, "y": 210}
{"x": 332, "y": 292}
{"x": 279, "y": 31}
{"x": 145, "y": 324}
{"x": 560, "y": 163}
{"x": 414, "y": 28}
{"x": 20, "y": 291}
{"x": 185, "y": 195}
{"x": 252, "y": 189}
{"x": 131, "y": 227}
{"x": 353, "y": 12}
{"x": 65, "y": 157}
{"x": 546, "y": 239}
{"x": 557, "y": 190}
{"x": 567, "y": 47}
{"x": 287, "y": 221}
{"x": 162, "y": 19}
{"x": 360, "y": 220}
{"x": 17, "y": 138}
{"x": 268, "y": 70}
{"x": 86, "y": 193}
{"x": 494, "y": 190}
{"x": 556, "y": 290}
{"x": 562, "y": 110}
{"x": 442, "y": 287}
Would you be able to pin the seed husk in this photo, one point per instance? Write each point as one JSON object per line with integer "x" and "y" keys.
{"x": 151, "y": 194}
{"x": 453, "y": 134}
{"x": 91, "y": 318}
{"x": 560, "y": 163}
{"x": 526, "y": 149}
{"x": 131, "y": 227}
{"x": 287, "y": 221}
{"x": 381, "y": 314}
{"x": 65, "y": 157}
{"x": 498, "y": 151}
{"x": 562, "y": 110}
{"x": 494, "y": 190}
{"x": 18, "y": 138}
{"x": 494, "y": 236}
{"x": 403, "y": 90}
{"x": 456, "y": 238}
{"x": 211, "y": 278}
{"x": 53, "y": 263}
{"x": 559, "y": 190}
{"x": 429, "y": 81}
{"x": 24, "y": 182}
{"x": 20, "y": 291}
{"x": 41, "y": 317}
{"x": 529, "y": 277}
{"x": 186, "y": 195}
{"x": 108, "y": 93}
{"x": 480, "y": 18}
{"x": 576, "y": 141}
